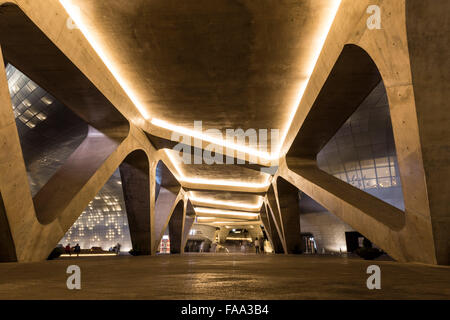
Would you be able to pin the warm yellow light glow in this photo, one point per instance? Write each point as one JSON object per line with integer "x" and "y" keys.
{"x": 239, "y": 239}
{"x": 65, "y": 255}
{"x": 213, "y": 219}
{"x": 221, "y": 142}
{"x": 74, "y": 12}
{"x": 225, "y": 212}
{"x": 175, "y": 163}
{"x": 213, "y": 182}
{"x": 226, "y": 203}
{"x": 224, "y": 183}
{"x": 323, "y": 33}
{"x": 237, "y": 223}
{"x": 205, "y": 218}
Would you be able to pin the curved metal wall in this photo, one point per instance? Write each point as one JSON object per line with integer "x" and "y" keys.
{"x": 49, "y": 133}
{"x": 362, "y": 152}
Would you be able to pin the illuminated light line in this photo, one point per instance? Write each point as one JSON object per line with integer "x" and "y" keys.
{"x": 225, "y": 212}
{"x": 237, "y": 223}
{"x": 65, "y": 255}
{"x": 239, "y": 239}
{"x": 213, "y": 182}
{"x": 217, "y": 141}
{"x": 326, "y": 30}
{"x": 225, "y": 183}
{"x": 226, "y": 203}
{"x": 212, "y": 219}
{"x": 174, "y": 163}
{"x": 75, "y": 13}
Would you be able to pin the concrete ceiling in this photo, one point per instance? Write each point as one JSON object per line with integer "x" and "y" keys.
{"x": 229, "y": 63}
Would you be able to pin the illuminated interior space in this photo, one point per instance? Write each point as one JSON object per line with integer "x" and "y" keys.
{"x": 179, "y": 132}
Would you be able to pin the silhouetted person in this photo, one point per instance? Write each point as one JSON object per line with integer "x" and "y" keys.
{"x": 77, "y": 249}
{"x": 118, "y": 248}
{"x": 67, "y": 249}
{"x": 257, "y": 244}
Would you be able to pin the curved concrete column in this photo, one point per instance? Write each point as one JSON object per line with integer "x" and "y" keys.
{"x": 189, "y": 218}
{"x": 278, "y": 243}
{"x": 135, "y": 175}
{"x": 176, "y": 224}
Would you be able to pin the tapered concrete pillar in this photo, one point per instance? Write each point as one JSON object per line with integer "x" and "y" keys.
{"x": 428, "y": 30}
{"x": 288, "y": 202}
{"x": 176, "y": 228}
{"x": 275, "y": 221}
{"x": 8, "y": 133}
{"x": 134, "y": 172}
{"x": 265, "y": 220}
{"x": 167, "y": 195}
{"x": 274, "y": 234}
{"x": 188, "y": 222}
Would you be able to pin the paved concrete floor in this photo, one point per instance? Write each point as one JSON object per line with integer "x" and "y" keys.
{"x": 215, "y": 276}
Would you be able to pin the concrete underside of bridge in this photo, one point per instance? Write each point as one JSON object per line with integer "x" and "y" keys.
{"x": 217, "y": 276}
{"x": 137, "y": 71}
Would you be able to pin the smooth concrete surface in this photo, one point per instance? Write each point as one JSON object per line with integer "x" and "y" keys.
{"x": 222, "y": 276}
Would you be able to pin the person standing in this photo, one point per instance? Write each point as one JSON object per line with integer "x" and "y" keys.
{"x": 67, "y": 249}
{"x": 77, "y": 249}
{"x": 261, "y": 245}
{"x": 257, "y": 245}
{"x": 118, "y": 248}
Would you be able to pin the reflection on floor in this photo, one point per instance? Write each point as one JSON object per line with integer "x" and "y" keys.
{"x": 222, "y": 276}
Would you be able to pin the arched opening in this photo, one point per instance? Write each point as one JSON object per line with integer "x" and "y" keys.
{"x": 347, "y": 137}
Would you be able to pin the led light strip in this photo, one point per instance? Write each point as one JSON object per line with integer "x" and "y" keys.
{"x": 212, "y": 182}
{"x": 301, "y": 91}
{"x": 74, "y": 255}
{"x": 75, "y": 13}
{"x": 203, "y": 219}
{"x": 226, "y": 203}
{"x": 225, "y": 212}
{"x": 201, "y": 136}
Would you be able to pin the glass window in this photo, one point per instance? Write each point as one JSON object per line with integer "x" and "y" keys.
{"x": 383, "y": 172}
{"x": 381, "y": 162}
{"x": 365, "y": 164}
{"x": 368, "y": 173}
{"x": 384, "y": 182}
{"x": 370, "y": 183}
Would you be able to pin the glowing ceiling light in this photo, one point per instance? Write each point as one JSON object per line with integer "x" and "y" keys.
{"x": 75, "y": 13}
{"x": 323, "y": 33}
{"x": 206, "y": 218}
{"x": 225, "y": 212}
{"x": 226, "y": 203}
{"x": 220, "y": 142}
{"x": 226, "y": 183}
{"x": 237, "y": 223}
{"x": 213, "y": 182}
{"x": 174, "y": 163}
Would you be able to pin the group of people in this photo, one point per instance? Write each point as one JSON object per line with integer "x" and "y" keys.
{"x": 76, "y": 249}
{"x": 115, "y": 249}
